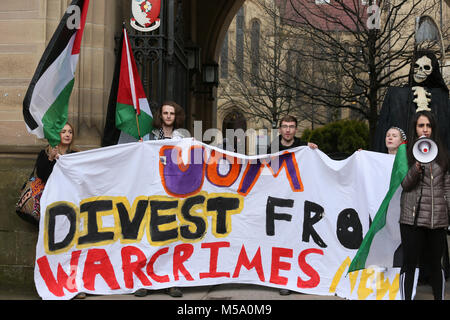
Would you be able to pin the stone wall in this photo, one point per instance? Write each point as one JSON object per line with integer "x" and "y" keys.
{"x": 27, "y": 27}
{"x": 17, "y": 238}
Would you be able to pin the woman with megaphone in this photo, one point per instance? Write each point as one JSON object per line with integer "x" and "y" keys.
{"x": 424, "y": 207}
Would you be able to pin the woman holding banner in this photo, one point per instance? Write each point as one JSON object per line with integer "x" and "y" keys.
{"x": 394, "y": 138}
{"x": 424, "y": 208}
{"x": 47, "y": 158}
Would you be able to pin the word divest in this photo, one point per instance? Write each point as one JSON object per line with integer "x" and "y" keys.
{"x": 158, "y": 214}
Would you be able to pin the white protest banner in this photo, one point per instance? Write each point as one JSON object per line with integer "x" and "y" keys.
{"x": 158, "y": 214}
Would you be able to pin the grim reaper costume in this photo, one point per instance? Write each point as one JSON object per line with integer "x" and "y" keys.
{"x": 426, "y": 90}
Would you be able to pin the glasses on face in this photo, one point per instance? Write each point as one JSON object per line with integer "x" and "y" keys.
{"x": 285, "y": 126}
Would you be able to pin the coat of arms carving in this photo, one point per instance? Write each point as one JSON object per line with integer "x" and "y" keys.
{"x": 145, "y": 14}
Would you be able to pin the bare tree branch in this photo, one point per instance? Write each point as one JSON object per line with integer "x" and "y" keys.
{"x": 318, "y": 59}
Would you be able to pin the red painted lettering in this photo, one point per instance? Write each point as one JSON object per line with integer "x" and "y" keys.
{"x": 129, "y": 268}
{"x": 151, "y": 269}
{"x": 215, "y": 246}
{"x": 308, "y": 270}
{"x": 62, "y": 280}
{"x": 182, "y": 253}
{"x": 98, "y": 263}
{"x": 278, "y": 265}
{"x": 256, "y": 263}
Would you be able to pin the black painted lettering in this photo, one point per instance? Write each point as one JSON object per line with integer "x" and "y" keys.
{"x": 349, "y": 229}
{"x": 271, "y": 215}
{"x": 157, "y": 220}
{"x": 221, "y": 205}
{"x": 93, "y": 235}
{"x": 199, "y": 222}
{"x": 130, "y": 228}
{"x": 52, "y": 213}
{"x": 309, "y": 221}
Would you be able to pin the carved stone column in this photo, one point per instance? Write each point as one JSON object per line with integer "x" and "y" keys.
{"x": 87, "y": 109}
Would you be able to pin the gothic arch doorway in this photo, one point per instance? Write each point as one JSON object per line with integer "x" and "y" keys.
{"x": 233, "y": 130}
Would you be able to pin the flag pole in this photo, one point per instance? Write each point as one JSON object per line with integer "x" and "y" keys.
{"x": 136, "y": 111}
{"x": 137, "y": 123}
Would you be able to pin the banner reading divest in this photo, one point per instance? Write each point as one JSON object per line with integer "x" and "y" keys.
{"x": 168, "y": 213}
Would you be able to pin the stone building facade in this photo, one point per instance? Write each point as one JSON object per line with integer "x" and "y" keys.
{"x": 234, "y": 113}
{"x": 27, "y": 26}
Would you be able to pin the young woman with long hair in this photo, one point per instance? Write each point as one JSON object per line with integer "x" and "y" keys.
{"x": 47, "y": 158}
{"x": 424, "y": 208}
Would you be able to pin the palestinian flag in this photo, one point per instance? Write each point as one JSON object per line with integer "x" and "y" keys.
{"x": 133, "y": 115}
{"x": 111, "y": 134}
{"x": 380, "y": 246}
{"x": 46, "y": 103}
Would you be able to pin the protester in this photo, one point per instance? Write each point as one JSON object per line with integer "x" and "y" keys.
{"x": 394, "y": 138}
{"x": 168, "y": 120}
{"x": 47, "y": 157}
{"x": 287, "y": 139}
{"x": 424, "y": 206}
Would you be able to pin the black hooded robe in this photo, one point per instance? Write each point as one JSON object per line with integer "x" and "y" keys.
{"x": 398, "y": 108}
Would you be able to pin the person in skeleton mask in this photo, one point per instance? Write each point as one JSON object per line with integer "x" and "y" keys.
{"x": 426, "y": 90}
{"x": 425, "y": 71}
{"x": 422, "y": 70}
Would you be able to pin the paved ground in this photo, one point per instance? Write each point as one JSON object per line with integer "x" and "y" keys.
{"x": 222, "y": 292}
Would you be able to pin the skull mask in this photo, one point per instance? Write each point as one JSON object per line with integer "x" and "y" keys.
{"x": 422, "y": 69}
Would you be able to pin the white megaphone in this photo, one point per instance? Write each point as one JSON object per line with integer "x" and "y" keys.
{"x": 425, "y": 150}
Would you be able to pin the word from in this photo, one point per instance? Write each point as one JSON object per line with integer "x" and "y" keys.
{"x": 182, "y": 180}
{"x": 136, "y": 266}
{"x": 370, "y": 279}
{"x": 163, "y": 219}
{"x": 348, "y": 225}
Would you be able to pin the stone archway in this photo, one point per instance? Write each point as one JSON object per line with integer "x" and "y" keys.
{"x": 209, "y": 22}
{"x": 234, "y": 127}
{"x": 206, "y": 23}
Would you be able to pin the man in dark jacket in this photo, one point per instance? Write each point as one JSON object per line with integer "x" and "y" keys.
{"x": 287, "y": 139}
